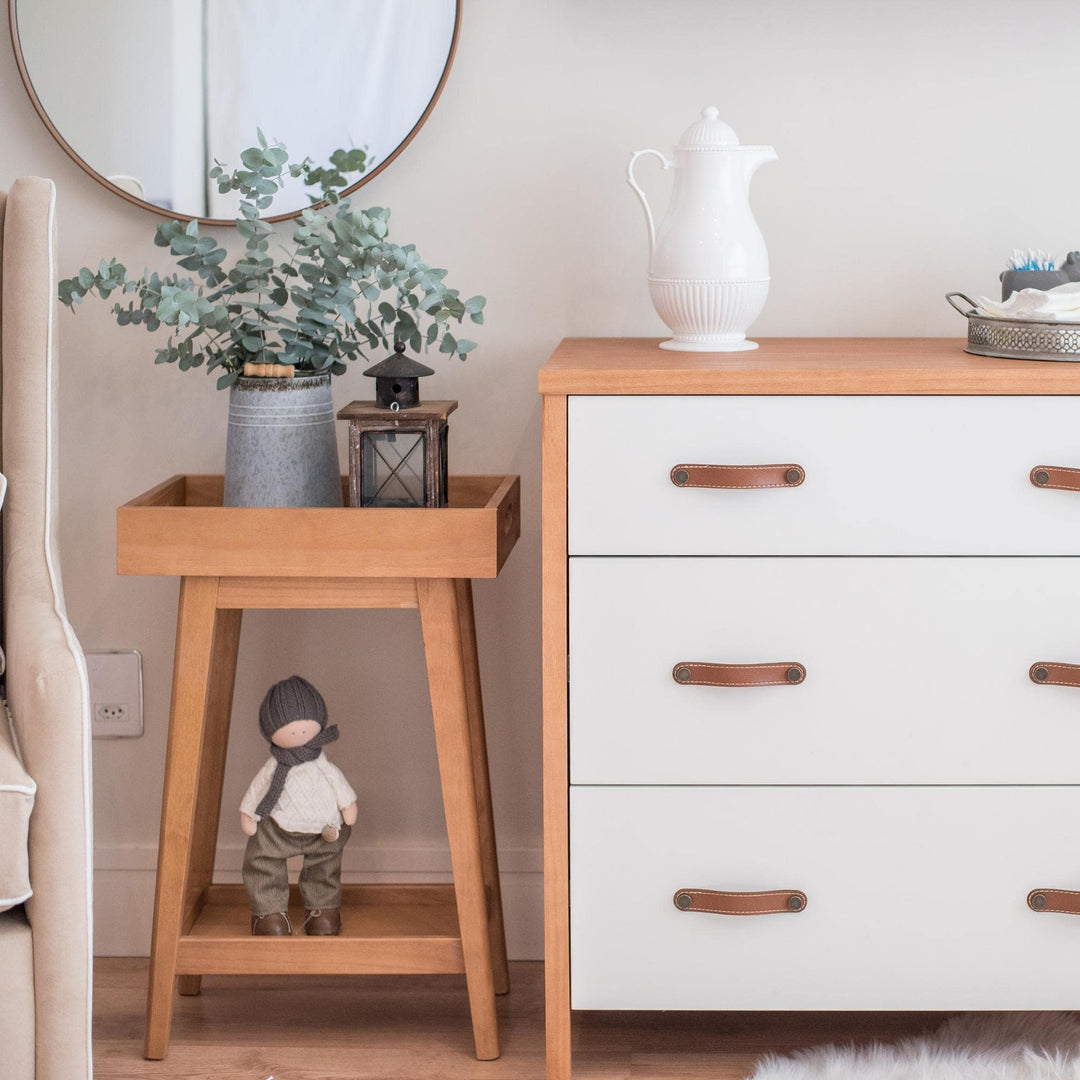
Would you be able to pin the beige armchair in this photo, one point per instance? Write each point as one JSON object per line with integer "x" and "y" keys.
{"x": 45, "y": 943}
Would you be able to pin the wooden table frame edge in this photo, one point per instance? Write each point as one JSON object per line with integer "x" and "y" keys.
{"x": 209, "y": 616}
{"x": 555, "y": 741}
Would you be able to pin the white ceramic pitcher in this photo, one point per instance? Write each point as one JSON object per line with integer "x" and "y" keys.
{"x": 708, "y": 267}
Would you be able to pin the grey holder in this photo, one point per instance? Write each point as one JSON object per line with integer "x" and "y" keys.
{"x": 1015, "y": 280}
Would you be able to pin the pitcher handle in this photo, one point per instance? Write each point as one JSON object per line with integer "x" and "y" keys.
{"x": 641, "y": 194}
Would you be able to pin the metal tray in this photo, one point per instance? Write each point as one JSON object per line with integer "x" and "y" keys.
{"x": 1017, "y": 339}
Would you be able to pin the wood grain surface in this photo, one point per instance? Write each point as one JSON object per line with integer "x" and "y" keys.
{"x": 444, "y": 651}
{"x": 195, "y": 632}
{"x": 180, "y": 527}
{"x": 386, "y": 929}
{"x": 555, "y": 742}
{"x": 396, "y": 1027}
{"x": 799, "y": 366}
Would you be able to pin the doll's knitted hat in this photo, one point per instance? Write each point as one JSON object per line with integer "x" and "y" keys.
{"x": 291, "y": 699}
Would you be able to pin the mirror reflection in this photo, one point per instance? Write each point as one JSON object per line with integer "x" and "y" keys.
{"x": 149, "y": 93}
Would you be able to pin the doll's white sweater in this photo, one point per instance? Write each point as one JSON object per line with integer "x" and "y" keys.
{"x": 315, "y": 793}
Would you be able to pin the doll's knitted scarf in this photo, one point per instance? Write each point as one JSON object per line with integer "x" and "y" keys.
{"x": 286, "y": 759}
{"x": 291, "y": 699}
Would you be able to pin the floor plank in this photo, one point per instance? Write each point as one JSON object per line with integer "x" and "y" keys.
{"x": 410, "y": 1027}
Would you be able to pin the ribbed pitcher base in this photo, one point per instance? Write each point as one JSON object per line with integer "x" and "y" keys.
{"x": 741, "y": 344}
{"x": 708, "y": 316}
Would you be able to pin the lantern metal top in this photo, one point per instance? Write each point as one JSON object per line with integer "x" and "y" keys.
{"x": 397, "y": 379}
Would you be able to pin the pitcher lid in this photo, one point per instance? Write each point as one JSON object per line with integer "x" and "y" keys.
{"x": 708, "y": 133}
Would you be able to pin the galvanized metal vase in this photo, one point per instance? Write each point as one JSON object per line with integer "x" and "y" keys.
{"x": 282, "y": 445}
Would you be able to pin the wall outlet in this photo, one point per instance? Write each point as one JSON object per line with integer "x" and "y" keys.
{"x": 115, "y": 692}
{"x": 113, "y": 712}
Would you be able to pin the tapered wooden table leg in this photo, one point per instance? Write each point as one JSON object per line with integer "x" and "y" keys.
{"x": 187, "y": 717}
{"x": 219, "y": 698}
{"x": 441, "y": 624}
{"x": 478, "y": 738}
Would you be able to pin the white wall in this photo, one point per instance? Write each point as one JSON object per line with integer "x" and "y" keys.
{"x": 919, "y": 142}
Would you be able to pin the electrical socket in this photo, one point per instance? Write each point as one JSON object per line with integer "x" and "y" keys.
{"x": 115, "y": 692}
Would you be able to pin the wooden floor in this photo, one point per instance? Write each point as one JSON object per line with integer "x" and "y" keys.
{"x": 417, "y": 1028}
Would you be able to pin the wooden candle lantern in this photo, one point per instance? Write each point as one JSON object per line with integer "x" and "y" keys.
{"x": 397, "y": 446}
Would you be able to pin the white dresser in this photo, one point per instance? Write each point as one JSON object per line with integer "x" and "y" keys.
{"x": 812, "y": 724}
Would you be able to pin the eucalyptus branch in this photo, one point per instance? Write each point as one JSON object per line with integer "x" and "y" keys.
{"x": 301, "y": 310}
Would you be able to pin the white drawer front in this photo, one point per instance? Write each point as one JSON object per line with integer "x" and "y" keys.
{"x": 884, "y": 475}
{"x": 916, "y": 898}
{"x": 917, "y": 670}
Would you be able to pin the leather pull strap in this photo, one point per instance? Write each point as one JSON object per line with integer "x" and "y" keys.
{"x": 1064, "y": 901}
{"x": 775, "y": 902}
{"x": 1048, "y": 674}
{"x": 738, "y": 476}
{"x": 1056, "y": 476}
{"x": 693, "y": 673}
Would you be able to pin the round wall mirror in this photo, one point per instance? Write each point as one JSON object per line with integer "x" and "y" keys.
{"x": 146, "y": 95}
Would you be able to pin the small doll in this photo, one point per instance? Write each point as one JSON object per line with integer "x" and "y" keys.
{"x": 298, "y": 804}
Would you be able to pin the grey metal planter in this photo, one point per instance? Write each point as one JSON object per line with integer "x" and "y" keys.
{"x": 282, "y": 444}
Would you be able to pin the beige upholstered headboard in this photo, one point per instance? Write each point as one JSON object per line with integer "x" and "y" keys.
{"x": 46, "y": 674}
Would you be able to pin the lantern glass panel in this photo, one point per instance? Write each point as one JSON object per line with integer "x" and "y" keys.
{"x": 393, "y": 468}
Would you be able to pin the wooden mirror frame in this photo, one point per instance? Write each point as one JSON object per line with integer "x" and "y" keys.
{"x": 174, "y": 215}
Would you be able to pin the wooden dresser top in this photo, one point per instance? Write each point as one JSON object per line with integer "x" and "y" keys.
{"x": 798, "y": 366}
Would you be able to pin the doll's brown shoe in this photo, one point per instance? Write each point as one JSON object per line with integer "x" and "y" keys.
{"x": 324, "y": 922}
{"x": 275, "y": 924}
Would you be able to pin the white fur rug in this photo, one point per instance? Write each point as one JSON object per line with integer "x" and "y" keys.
{"x": 985, "y": 1046}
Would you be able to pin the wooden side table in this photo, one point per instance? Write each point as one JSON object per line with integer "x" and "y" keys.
{"x": 322, "y": 558}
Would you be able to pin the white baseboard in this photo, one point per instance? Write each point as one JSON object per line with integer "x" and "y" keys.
{"x": 124, "y": 879}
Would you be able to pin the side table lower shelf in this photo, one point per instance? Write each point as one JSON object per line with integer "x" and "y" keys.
{"x": 385, "y": 930}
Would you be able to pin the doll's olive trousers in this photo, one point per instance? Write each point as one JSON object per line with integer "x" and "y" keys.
{"x": 266, "y": 876}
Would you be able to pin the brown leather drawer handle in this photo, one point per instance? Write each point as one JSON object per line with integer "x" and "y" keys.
{"x": 1048, "y": 674}
{"x": 693, "y": 673}
{"x": 776, "y": 902}
{"x": 1063, "y": 901}
{"x": 737, "y": 476}
{"x": 1055, "y": 476}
